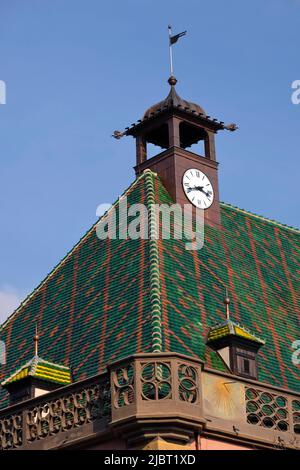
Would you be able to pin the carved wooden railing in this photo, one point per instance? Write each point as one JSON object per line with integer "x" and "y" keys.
{"x": 72, "y": 410}
{"x": 156, "y": 384}
{"x": 272, "y": 410}
{"x": 147, "y": 393}
{"x": 176, "y": 388}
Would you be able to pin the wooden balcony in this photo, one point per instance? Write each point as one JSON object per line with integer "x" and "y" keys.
{"x": 147, "y": 394}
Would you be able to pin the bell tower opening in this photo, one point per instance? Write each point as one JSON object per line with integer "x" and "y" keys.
{"x": 195, "y": 138}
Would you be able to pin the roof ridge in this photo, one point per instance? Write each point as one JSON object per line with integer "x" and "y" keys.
{"x": 155, "y": 288}
{"x": 261, "y": 217}
{"x": 34, "y": 362}
{"x": 16, "y": 371}
{"x": 76, "y": 246}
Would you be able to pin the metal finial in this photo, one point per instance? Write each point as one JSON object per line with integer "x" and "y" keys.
{"x": 172, "y": 80}
{"x": 36, "y": 341}
{"x": 227, "y": 302}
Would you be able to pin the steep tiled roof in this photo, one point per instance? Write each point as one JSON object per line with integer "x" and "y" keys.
{"x": 259, "y": 261}
{"x": 110, "y": 298}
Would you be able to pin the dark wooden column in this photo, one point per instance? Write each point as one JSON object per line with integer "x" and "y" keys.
{"x": 210, "y": 150}
{"x": 141, "y": 149}
{"x": 174, "y": 133}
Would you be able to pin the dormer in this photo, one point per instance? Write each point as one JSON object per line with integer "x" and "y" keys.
{"x": 237, "y": 346}
{"x": 36, "y": 377}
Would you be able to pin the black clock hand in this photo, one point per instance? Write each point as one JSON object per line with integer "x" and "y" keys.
{"x": 188, "y": 190}
{"x": 195, "y": 188}
{"x": 200, "y": 188}
{"x": 207, "y": 194}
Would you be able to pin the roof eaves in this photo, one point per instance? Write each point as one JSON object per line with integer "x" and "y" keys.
{"x": 219, "y": 125}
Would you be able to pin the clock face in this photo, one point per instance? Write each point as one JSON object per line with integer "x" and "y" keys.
{"x": 198, "y": 189}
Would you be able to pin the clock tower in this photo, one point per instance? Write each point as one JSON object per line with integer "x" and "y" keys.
{"x": 175, "y": 125}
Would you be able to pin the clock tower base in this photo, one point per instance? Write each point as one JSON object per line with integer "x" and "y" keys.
{"x": 171, "y": 165}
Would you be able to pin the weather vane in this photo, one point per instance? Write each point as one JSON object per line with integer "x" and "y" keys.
{"x": 173, "y": 40}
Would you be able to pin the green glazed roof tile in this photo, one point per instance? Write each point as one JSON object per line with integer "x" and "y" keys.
{"x": 108, "y": 299}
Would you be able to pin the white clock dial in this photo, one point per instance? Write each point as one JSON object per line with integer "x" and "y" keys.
{"x": 198, "y": 189}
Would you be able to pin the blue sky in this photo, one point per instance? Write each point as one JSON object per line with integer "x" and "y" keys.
{"x": 76, "y": 70}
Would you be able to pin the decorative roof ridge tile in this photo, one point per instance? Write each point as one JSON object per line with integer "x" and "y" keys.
{"x": 261, "y": 217}
{"x": 34, "y": 362}
{"x": 155, "y": 288}
{"x": 73, "y": 249}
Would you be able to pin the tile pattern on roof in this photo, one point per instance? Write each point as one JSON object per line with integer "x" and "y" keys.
{"x": 96, "y": 306}
{"x": 259, "y": 262}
